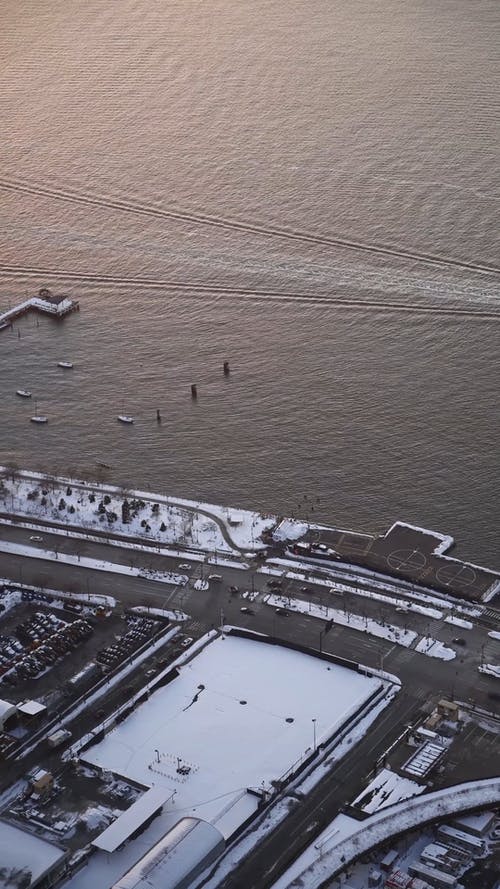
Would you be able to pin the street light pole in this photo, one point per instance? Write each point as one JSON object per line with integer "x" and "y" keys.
{"x": 314, "y": 733}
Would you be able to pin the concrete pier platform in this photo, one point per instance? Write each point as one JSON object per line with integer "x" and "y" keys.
{"x": 413, "y": 554}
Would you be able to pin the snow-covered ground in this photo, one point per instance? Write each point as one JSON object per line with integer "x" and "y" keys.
{"x": 358, "y": 574}
{"x": 12, "y": 595}
{"x": 434, "y": 648}
{"x": 400, "y": 636}
{"x": 385, "y": 790}
{"x": 152, "y": 516}
{"x": 160, "y": 612}
{"x": 234, "y": 691}
{"x": 33, "y": 552}
{"x": 358, "y": 590}
{"x": 459, "y": 622}
{"x": 490, "y": 670}
{"x": 494, "y": 635}
{"x": 345, "y": 619}
{"x": 289, "y": 529}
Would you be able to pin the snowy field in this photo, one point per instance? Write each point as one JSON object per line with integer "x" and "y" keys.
{"x": 139, "y": 514}
{"x": 239, "y": 715}
{"x": 395, "y": 634}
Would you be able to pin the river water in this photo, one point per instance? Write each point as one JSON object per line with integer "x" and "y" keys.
{"x": 308, "y": 189}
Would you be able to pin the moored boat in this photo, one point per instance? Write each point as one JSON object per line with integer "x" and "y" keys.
{"x": 66, "y": 364}
{"x": 24, "y": 393}
{"x": 124, "y": 419}
{"x": 39, "y": 418}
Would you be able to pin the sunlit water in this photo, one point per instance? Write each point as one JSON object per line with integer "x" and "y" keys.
{"x": 263, "y": 151}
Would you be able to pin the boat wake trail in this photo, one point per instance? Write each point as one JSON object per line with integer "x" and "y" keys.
{"x": 262, "y": 230}
{"x": 194, "y": 288}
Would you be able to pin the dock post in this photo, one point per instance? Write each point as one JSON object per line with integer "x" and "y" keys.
{"x": 158, "y": 415}
{"x": 194, "y": 391}
{"x": 226, "y": 368}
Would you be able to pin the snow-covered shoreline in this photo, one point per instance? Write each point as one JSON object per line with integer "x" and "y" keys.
{"x": 155, "y": 517}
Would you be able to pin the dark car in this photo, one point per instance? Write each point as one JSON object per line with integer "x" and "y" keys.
{"x": 281, "y": 611}
{"x": 459, "y": 640}
{"x": 246, "y": 610}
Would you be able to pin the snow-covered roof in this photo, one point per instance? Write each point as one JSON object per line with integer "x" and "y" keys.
{"x": 174, "y": 858}
{"x": 233, "y": 691}
{"x": 385, "y": 790}
{"x": 476, "y": 824}
{"x": 19, "y": 849}
{"x": 6, "y": 709}
{"x": 31, "y": 708}
{"x": 133, "y": 818}
{"x": 425, "y": 759}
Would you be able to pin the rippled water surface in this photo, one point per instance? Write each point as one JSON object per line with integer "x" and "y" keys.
{"x": 308, "y": 189}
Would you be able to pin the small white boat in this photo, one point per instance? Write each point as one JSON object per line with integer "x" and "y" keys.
{"x": 124, "y": 419}
{"x": 39, "y": 419}
{"x": 23, "y": 393}
{"x": 66, "y": 364}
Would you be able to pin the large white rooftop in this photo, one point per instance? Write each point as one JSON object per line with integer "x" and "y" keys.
{"x": 19, "y": 849}
{"x": 239, "y": 715}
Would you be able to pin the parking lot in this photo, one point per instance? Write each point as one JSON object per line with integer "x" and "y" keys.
{"x": 46, "y": 646}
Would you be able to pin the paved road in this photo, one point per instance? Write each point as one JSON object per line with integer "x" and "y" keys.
{"x": 421, "y": 677}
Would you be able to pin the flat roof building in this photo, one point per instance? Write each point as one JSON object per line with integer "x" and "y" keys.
{"x": 477, "y": 825}
{"x": 28, "y": 861}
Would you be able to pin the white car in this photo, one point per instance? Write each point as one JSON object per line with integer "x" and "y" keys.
{"x": 186, "y": 642}
{"x": 184, "y": 567}
{"x": 36, "y": 537}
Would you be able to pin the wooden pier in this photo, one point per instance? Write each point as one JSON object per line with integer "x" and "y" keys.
{"x": 46, "y": 303}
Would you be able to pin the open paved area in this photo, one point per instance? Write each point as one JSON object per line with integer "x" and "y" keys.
{"x": 413, "y": 554}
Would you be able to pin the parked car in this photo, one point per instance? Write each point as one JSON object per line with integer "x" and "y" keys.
{"x": 234, "y": 589}
{"x": 186, "y": 642}
{"x": 459, "y": 640}
{"x": 184, "y": 567}
{"x": 246, "y": 610}
{"x": 36, "y": 537}
{"x": 281, "y": 611}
